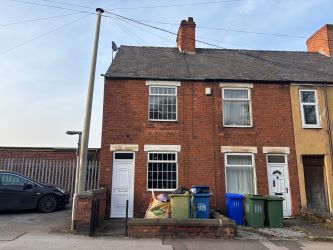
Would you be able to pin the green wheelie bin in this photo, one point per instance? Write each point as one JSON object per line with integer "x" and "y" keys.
{"x": 274, "y": 211}
{"x": 255, "y": 210}
{"x": 180, "y": 206}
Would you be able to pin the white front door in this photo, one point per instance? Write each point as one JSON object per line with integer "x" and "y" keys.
{"x": 279, "y": 180}
{"x": 122, "y": 184}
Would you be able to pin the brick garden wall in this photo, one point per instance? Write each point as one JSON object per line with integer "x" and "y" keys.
{"x": 200, "y": 133}
{"x": 45, "y": 153}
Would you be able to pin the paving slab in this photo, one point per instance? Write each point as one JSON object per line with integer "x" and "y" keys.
{"x": 52, "y": 241}
{"x": 315, "y": 231}
{"x": 16, "y": 222}
{"x": 10, "y": 236}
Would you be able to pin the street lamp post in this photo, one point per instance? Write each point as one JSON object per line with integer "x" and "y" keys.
{"x": 79, "y": 133}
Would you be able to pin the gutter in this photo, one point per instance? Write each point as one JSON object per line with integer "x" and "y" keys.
{"x": 213, "y": 80}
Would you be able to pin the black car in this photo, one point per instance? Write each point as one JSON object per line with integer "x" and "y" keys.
{"x": 19, "y": 192}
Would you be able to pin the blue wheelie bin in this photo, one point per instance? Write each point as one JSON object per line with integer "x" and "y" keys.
{"x": 235, "y": 207}
{"x": 200, "y": 202}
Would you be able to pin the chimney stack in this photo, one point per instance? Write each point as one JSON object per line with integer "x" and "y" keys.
{"x": 322, "y": 41}
{"x": 186, "y": 36}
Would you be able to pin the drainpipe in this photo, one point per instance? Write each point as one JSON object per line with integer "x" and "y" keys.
{"x": 328, "y": 123}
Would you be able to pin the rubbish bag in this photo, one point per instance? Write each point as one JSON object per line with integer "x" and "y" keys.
{"x": 157, "y": 209}
{"x": 182, "y": 190}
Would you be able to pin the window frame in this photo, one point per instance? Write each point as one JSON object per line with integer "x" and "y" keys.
{"x": 253, "y": 166}
{"x": 157, "y": 161}
{"x": 249, "y": 99}
{"x": 304, "y": 125}
{"x": 175, "y": 95}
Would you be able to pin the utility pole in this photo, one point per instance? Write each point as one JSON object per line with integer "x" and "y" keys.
{"x": 74, "y": 206}
{"x": 87, "y": 118}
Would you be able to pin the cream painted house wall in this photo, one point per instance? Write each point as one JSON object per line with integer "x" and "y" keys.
{"x": 313, "y": 141}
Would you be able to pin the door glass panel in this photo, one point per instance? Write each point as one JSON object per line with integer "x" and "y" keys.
{"x": 123, "y": 156}
{"x": 276, "y": 159}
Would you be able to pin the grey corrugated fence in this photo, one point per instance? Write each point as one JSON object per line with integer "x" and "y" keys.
{"x": 52, "y": 171}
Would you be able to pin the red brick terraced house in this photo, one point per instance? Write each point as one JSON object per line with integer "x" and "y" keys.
{"x": 183, "y": 116}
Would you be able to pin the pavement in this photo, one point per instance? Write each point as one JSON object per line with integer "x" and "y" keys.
{"x": 314, "y": 231}
{"x": 33, "y": 230}
{"x": 17, "y": 223}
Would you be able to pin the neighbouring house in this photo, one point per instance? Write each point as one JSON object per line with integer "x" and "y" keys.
{"x": 312, "y": 107}
{"x": 183, "y": 116}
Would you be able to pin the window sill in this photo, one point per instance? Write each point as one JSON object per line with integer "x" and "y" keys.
{"x": 309, "y": 127}
{"x": 237, "y": 126}
{"x": 161, "y": 190}
{"x": 163, "y": 120}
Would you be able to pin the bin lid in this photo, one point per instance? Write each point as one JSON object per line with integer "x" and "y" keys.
{"x": 273, "y": 198}
{"x": 179, "y": 195}
{"x": 255, "y": 197}
{"x": 202, "y": 186}
{"x": 202, "y": 195}
{"x": 229, "y": 195}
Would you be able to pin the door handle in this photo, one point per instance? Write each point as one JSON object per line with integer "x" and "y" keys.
{"x": 287, "y": 190}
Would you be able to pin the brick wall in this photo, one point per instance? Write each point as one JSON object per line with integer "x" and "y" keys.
{"x": 200, "y": 133}
{"x": 322, "y": 41}
{"x": 45, "y": 153}
{"x": 84, "y": 210}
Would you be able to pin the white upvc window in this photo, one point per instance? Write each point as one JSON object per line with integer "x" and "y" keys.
{"x": 240, "y": 173}
{"x": 162, "y": 103}
{"x": 236, "y": 105}
{"x": 309, "y": 109}
{"x": 162, "y": 172}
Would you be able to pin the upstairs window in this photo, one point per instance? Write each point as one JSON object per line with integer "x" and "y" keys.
{"x": 309, "y": 109}
{"x": 162, "y": 171}
{"x": 236, "y": 107}
{"x": 162, "y": 103}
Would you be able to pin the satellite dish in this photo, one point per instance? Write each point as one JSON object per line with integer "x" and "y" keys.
{"x": 114, "y": 46}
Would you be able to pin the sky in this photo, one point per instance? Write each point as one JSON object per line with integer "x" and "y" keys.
{"x": 46, "y": 49}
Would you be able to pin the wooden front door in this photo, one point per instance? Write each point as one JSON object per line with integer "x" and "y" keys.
{"x": 314, "y": 177}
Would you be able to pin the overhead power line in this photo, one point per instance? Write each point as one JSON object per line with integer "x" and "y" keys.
{"x": 161, "y": 29}
{"x": 229, "y": 30}
{"x": 37, "y": 19}
{"x": 132, "y": 35}
{"x": 166, "y": 23}
{"x": 70, "y": 4}
{"x": 175, "y": 5}
{"x": 147, "y": 31}
{"x": 52, "y": 6}
{"x": 42, "y": 35}
{"x": 116, "y": 3}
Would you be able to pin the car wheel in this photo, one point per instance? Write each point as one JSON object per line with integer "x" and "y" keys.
{"x": 48, "y": 204}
